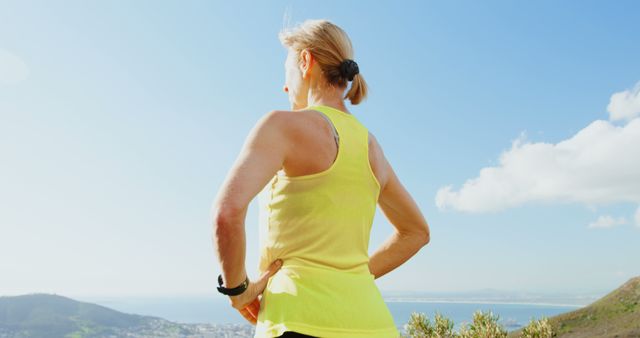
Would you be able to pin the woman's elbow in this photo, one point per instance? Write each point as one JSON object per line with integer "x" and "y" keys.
{"x": 426, "y": 237}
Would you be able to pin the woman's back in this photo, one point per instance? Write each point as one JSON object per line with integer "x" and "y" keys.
{"x": 317, "y": 216}
{"x": 319, "y": 225}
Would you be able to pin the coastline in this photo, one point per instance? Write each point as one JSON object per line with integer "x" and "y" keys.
{"x": 487, "y": 302}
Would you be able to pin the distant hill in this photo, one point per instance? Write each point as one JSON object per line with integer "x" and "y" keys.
{"x": 615, "y": 315}
{"x": 45, "y": 315}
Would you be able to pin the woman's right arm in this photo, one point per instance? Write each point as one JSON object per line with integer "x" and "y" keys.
{"x": 411, "y": 229}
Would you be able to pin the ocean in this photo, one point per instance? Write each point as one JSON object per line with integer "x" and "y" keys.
{"x": 218, "y": 311}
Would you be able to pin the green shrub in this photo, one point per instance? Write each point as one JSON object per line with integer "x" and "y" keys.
{"x": 538, "y": 329}
{"x": 484, "y": 325}
{"x": 420, "y": 326}
{"x": 444, "y": 327}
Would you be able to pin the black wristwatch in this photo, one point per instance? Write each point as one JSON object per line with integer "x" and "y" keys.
{"x": 233, "y": 291}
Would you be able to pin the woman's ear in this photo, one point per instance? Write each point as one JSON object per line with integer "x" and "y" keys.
{"x": 307, "y": 60}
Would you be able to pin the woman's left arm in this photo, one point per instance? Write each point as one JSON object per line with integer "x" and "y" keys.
{"x": 262, "y": 155}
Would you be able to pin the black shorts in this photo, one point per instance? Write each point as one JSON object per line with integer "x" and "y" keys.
{"x": 292, "y": 334}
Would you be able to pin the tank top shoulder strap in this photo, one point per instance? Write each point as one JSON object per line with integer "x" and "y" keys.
{"x": 352, "y": 139}
{"x": 333, "y": 129}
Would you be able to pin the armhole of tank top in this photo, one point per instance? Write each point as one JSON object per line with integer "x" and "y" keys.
{"x": 373, "y": 175}
{"x": 336, "y": 137}
{"x": 333, "y": 129}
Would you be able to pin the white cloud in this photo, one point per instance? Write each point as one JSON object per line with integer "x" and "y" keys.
{"x": 12, "y": 68}
{"x": 625, "y": 105}
{"x": 607, "y": 222}
{"x": 598, "y": 165}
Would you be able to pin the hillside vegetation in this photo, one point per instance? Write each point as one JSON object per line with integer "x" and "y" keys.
{"x": 615, "y": 315}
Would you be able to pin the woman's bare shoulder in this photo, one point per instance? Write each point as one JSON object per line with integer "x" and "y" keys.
{"x": 297, "y": 120}
{"x": 287, "y": 115}
{"x": 295, "y": 125}
{"x": 279, "y": 119}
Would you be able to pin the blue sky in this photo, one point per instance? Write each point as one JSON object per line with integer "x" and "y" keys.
{"x": 514, "y": 124}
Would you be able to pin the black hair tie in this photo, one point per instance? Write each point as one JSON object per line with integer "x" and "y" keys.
{"x": 349, "y": 69}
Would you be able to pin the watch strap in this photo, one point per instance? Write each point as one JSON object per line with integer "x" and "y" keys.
{"x": 232, "y": 291}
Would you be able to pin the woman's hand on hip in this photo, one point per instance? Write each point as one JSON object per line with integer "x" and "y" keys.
{"x": 247, "y": 303}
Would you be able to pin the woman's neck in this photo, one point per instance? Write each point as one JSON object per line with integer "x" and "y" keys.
{"x": 332, "y": 97}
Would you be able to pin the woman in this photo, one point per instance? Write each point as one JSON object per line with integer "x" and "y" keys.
{"x": 319, "y": 173}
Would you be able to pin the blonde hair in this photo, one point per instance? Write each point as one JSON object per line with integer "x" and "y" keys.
{"x": 330, "y": 46}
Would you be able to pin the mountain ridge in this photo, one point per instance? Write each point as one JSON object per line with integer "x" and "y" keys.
{"x": 51, "y": 315}
{"x": 616, "y": 314}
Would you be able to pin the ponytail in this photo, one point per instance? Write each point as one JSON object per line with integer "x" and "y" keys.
{"x": 358, "y": 90}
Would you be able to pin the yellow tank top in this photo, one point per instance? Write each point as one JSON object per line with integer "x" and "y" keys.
{"x": 319, "y": 225}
